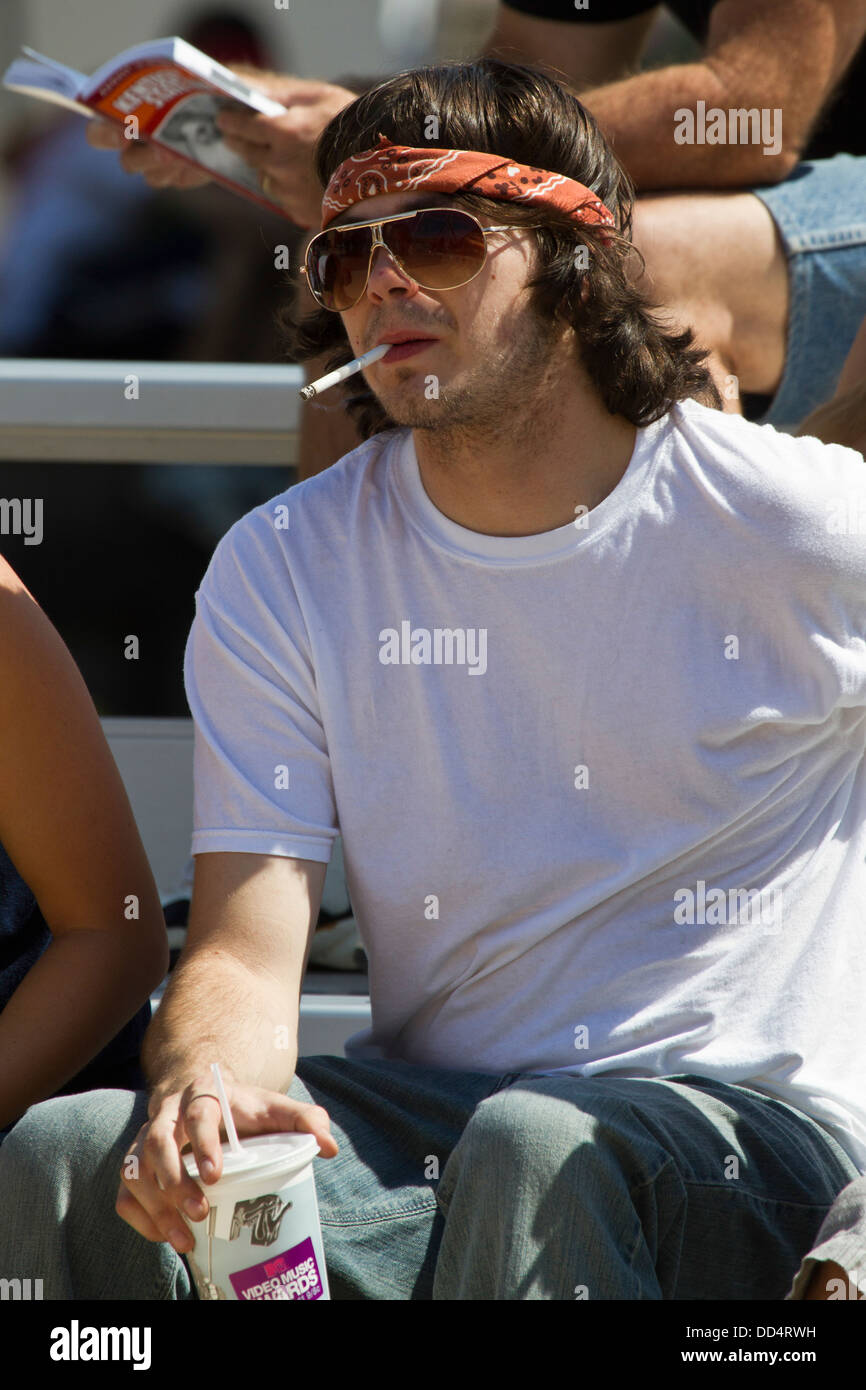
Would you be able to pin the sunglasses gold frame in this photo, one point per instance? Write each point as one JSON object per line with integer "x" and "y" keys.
{"x": 377, "y": 240}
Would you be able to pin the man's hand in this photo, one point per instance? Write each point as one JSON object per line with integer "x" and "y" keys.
{"x": 156, "y": 1190}
{"x": 160, "y": 168}
{"x": 281, "y": 147}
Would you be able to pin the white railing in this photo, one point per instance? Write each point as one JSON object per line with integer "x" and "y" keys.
{"x": 148, "y": 412}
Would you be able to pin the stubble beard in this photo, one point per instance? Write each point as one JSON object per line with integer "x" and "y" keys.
{"x": 505, "y": 394}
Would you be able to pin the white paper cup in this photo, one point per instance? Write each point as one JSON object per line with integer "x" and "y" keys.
{"x": 261, "y": 1238}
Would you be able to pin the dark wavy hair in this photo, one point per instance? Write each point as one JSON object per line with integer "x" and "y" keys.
{"x": 638, "y": 367}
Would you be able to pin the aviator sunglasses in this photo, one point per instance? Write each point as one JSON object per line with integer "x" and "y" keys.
{"x": 438, "y": 248}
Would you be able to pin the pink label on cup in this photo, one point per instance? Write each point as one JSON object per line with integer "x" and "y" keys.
{"x": 291, "y": 1275}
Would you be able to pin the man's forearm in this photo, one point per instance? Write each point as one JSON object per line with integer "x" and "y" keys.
{"x": 215, "y": 1009}
{"x": 638, "y": 116}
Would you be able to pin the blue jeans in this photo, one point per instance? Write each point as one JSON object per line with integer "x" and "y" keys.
{"x": 820, "y": 212}
{"x": 462, "y": 1185}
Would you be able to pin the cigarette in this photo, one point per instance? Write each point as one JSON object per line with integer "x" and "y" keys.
{"x": 316, "y": 387}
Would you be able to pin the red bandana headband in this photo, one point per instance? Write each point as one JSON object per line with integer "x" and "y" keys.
{"x": 390, "y": 168}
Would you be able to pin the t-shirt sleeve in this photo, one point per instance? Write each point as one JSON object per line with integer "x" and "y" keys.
{"x": 262, "y": 776}
{"x": 814, "y": 496}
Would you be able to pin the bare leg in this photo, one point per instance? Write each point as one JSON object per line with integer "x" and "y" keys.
{"x": 842, "y": 419}
{"x": 717, "y": 262}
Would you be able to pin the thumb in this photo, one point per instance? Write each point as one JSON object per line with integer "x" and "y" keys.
{"x": 282, "y": 1114}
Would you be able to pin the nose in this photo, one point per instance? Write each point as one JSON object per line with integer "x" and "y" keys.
{"x": 386, "y": 274}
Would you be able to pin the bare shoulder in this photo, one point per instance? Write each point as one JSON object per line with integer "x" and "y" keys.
{"x": 65, "y": 819}
{"x": 29, "y": 641}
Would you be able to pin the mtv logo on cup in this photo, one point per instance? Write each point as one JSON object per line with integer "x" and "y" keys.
{"x": 264, "y": 1204}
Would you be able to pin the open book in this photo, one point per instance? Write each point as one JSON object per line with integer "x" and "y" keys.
{"x": 166, "y": 91}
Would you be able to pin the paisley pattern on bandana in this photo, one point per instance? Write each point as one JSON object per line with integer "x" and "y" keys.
{"x": 390, "y": 168}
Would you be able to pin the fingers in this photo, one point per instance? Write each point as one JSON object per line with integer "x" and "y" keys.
{"x": 245, "y": 130}
{"x": 160, "y": 168}
{"x": 103, "y": 136}
{"x": 278, "y": 1114}
{"x": 257, "y": 156}
{"x": 314, "y": 1119}
{"x": 199, "y": 1120}
{"x": 155, "y": 1184}
{"x": 157, "y": 1196}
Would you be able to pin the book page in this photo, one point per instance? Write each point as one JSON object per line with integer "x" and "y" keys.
{"x": 39, "y": 77}
{"x": 177, "y": 109}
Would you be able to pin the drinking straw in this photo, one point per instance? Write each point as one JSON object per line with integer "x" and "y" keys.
{"x": 232, "y": 1133}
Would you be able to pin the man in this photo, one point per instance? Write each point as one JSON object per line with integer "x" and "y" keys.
{"x": 573, "y": 662}
{"x": 767, "y": 267}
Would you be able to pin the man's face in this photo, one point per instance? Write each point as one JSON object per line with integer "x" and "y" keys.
{"x": 491, "y": 346}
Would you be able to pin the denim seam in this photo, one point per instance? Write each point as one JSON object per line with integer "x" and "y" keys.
{"x": 796, "y": 346}
{"x": 421, "y": 1209}
{"x": 746, "y": 1192}
{"x": 804, "y": 243}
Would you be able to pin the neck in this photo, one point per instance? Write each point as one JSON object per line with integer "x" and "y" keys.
{"x": 526, "y": 469}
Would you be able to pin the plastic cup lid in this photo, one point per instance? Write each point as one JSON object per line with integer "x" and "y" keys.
{"x": 266, "y": 1154}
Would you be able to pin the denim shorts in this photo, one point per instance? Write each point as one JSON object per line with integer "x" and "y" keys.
{"x": 820, "y": 211}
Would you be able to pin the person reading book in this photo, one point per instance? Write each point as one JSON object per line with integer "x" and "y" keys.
{"x": 567, "y": 655}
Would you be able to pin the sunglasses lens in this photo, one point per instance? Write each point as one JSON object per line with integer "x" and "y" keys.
{"x": 337, "y": 267}
{"x": 440, "y": 249}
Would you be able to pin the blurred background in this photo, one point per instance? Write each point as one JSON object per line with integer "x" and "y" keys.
{"x": 94, "y": 264}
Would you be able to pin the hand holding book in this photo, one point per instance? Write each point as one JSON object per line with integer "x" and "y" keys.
{"x": 167, "y": 96}
{"x": 159, "y": 166}
{"x": 280, "y": 148}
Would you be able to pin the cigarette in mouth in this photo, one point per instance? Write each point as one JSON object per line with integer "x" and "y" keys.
{"x": 316, "y": 387}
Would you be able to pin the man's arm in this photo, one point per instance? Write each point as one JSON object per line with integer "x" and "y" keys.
{"x": 234, "y": 995}
{"x": 279, "y": 148}
{"x": 233, "y": 999}
{"x": 764, "y": 54}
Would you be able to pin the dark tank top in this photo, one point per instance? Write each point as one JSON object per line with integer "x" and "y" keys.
{"x": 24, "y": 935}
{"x": 840, "y": 127}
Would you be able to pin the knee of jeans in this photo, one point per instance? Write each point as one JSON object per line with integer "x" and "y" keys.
{"x": 71, "y": 1131}
{"x": 524, "y": 1124}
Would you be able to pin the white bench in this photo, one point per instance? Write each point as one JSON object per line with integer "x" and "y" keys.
{"x": 154, "y": 757}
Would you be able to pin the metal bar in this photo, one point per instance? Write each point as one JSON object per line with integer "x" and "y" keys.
{"x": 149, "y": 412}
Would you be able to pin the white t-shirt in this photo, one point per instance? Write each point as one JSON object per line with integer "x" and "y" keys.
{"x": 622, "y": 830}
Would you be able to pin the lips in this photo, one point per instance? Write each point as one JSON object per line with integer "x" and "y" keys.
{"x": 406, "y": 336}
{"x": 405, "y": 345}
